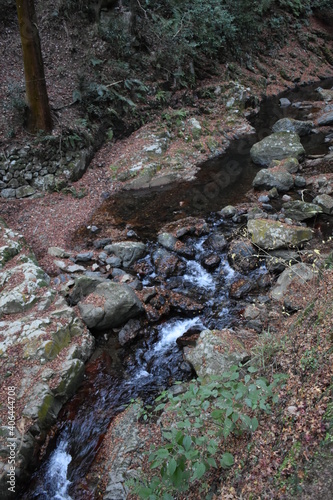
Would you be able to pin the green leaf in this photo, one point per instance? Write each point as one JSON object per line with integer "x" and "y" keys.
{"x": 199, "y": 470}
{"x": 217, "y": 414}
{"x": 144, "y": 492}
{"x": 172, "y": 465}
{"x": 187, "y": 443}
{"x": 227, "y": 460}
{"x": 162, "y": 453}
{"x": 254, "y": 424}
{"x": 228, "y": 426}
{"x": 252, "y": 369}
{"x": 212, "y": 462}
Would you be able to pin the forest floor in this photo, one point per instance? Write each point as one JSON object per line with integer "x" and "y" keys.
{"x": 280, "y": 457}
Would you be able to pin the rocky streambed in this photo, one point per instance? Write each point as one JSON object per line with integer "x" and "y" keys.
{"x": 157, "y": 299}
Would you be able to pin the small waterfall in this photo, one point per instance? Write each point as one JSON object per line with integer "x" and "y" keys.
{"x": 55, "y": 484}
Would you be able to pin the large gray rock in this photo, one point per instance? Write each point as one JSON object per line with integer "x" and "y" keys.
{"x": 270, "y": 235}
{"x": 43, "y": 346}
{"x": 83, "y": 286}
{"x": 276, "y": 147}
{"x": 128, "y": 251}
{"x": 325, "y": 202}
{"x": 30, "y": 278}
{"x": 109, "y": 306}
{"x": 291, "y": 125}
{"x": 325, "y": 119}
{"x": 215, "y": 352}
{"x": 300, "y": 210}
{"x": 273, "y": 178}
{"x": 298, "y": 274}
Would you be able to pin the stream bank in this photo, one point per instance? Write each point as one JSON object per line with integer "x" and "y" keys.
{"x": 188, "y": 230}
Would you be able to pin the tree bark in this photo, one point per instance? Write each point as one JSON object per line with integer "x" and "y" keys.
{"x": 39, "y": 113}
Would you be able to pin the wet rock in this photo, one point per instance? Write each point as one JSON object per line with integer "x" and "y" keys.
{"x": 276, "y": 147}
{"x": 183, "y": 304}
{"x": 170, "y": 242}
{"x": 217, "y": 242}
{"x": 300, "y": 210}
{"x": 228, "y": 211}
{"x": 273, "y": 178}
{"x": 241, "y": 288}
{"x": 167, "y": 264}
{"x": 129, "y": 332}
{"x": 128, "y": 251}
{"x": 110, "y": 305}
{"x": 190, "y": 337}
{"x": 271, "y": 235}
{"x": 292, "y": 125}
{"x": 148, "y": 294}
{"x": 325, "y": 202}
{"x": 211, "y": 261}
{"x": 215, "y": 352}
{"x": 242, "y": 255}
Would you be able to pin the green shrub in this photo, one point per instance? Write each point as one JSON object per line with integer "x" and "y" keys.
{"x": 195, "y": 424}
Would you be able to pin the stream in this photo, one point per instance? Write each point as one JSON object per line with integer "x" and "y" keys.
{"x": 115, "y": 375}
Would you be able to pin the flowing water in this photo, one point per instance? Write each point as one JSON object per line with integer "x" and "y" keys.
{"x": 114, "y": 375}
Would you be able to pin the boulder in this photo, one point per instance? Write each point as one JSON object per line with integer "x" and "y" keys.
{"x": 30, "y": 278}
{"x": 217, "y": 242}
{"x": 300, "y": 210}
{"x": 128, "y": 251}
{"x": 241, "y": 288}
{"x": 275, "y": 177}
{"x": 325, "y": 202}
{"x": 276, "y": 147}
{"x": 129, "y": 332}
{"x": 167, "y": 264}
{"x": 242, "y": 255}
{"x": 270, "y": 235}
{"x": 325, "y": 119}
{"x": 325, "y": 94}
{"x": 293, "y": 276}
{"x": 83, "y": 286}
{"x": 291, "y": 125}
{"x": 290, "y": 164}
{"x": 215, "y": 352}
{"x": 170, "y": 242}
{"x": 109, "y": 306}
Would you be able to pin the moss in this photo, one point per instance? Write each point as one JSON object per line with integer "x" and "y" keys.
{"x": 46, "y": 409}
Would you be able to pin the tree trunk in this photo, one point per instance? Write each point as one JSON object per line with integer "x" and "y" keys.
{"x": 39, "y": 114}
